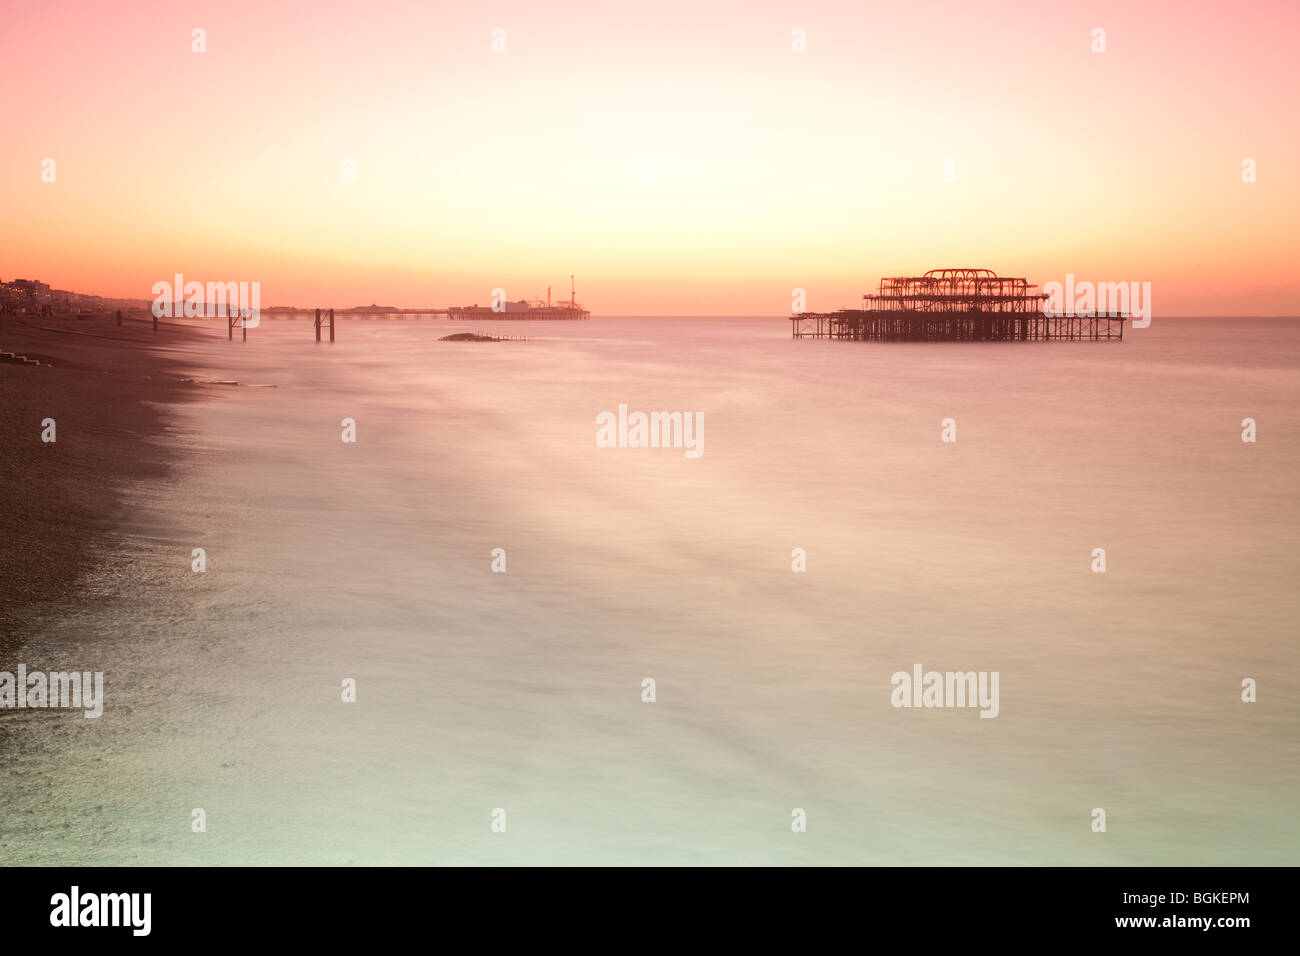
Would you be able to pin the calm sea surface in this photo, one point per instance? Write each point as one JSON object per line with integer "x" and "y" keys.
{"x": 523, "y": 691}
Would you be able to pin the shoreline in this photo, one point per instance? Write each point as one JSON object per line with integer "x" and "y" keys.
{"x": 107, "y": 388}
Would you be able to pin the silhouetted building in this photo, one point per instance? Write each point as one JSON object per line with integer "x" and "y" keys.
{"x": 25, "y": 295}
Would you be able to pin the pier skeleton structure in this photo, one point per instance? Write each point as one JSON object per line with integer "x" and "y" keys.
{"x": 956, "y": 305}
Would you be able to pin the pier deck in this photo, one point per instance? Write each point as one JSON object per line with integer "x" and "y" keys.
{"x": 865, "y": 325}
{"x": 955, "y": 305}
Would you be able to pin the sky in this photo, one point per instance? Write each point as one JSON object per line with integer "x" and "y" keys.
{"x": 679, "y": 158}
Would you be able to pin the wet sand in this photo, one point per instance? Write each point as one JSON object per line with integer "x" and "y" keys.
{"x": 107, "y": 389}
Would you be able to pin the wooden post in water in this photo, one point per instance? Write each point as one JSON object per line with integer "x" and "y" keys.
{"x": 318, "y": 325}
{"x": 230, "y": 324}
{"x": 243, "y": 325}
{"x": 154, "y": 313}
{"x": 119, "y": 318}
{"x": 331, "y": 325}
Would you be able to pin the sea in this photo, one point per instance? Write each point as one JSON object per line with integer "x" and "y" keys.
{"x": 476, "y": 635}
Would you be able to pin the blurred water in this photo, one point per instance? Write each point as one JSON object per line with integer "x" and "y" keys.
{"x": 522, "y": 690}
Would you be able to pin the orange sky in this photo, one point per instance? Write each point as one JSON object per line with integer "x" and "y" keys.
{"x": 679, "y": 157}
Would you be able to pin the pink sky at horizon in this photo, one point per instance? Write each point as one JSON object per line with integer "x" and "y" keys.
{"x": 679, "y": 158}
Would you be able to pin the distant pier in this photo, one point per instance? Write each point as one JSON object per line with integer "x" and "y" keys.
{"x": 475, "y": 312}
{"x": 530, "y": 314}
{"x": 955, "y": 305}
{"x": 524, "y": 310}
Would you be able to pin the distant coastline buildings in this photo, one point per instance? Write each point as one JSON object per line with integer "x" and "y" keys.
{"x": 33, "y": 297}
{"x": 25, "y": 295}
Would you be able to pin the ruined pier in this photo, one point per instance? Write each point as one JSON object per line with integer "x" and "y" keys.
{"x": 956, "y": 305}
